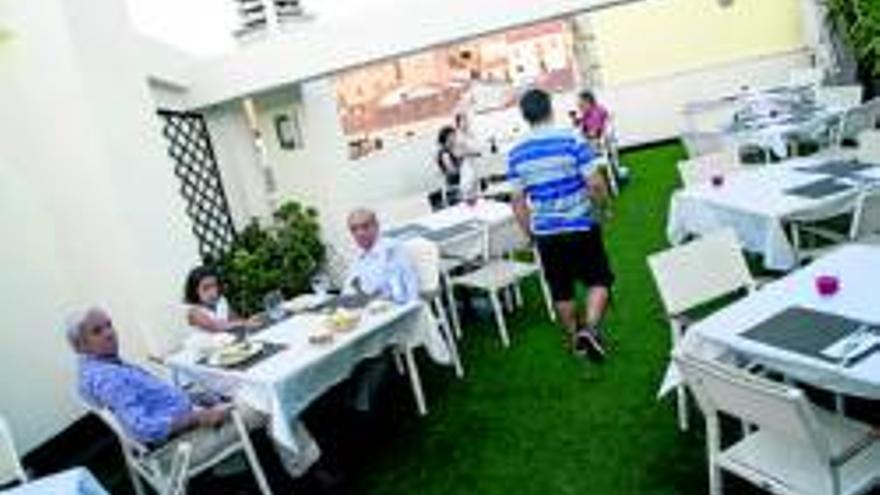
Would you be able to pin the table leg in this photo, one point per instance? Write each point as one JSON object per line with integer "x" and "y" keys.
{"x": 415, "y": 380}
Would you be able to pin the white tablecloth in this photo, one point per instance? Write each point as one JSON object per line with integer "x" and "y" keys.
{"x": 286, "y": 383}
{"x": 857, "y": 267}
{"x": 754, "y": 203}
{"x": 78, "y": 481}
{"x": 484, "y": 210}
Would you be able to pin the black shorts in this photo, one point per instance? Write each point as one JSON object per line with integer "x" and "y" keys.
{"x": 573, "y": 257}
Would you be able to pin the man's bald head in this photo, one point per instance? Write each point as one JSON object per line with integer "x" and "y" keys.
{"x": 364, "y": 227}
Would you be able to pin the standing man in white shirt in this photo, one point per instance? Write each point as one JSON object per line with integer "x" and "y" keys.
{"x": 381, "y": 267}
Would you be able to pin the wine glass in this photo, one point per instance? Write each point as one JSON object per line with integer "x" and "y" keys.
{"x": 320, "y": 283}
{"x": 272, "y": 303}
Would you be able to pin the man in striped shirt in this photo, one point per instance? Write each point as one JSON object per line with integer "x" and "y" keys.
{"x": 556, "y": 187}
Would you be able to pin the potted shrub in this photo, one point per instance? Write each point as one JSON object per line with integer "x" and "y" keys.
{"x": 281, "y": 256}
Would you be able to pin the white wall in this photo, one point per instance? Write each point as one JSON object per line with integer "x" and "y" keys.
{"x": 90, "y": 209}
{"x": 650, "y": 110}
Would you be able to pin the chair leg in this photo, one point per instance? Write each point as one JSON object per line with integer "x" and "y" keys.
{"x": 676, "y": 331}
{"x": 508, "y": 299}
{"x": 712, "y": 443}
{"x": 453, "y": 310}
{"x": 517, "y": 295}
{"x": 548, "y": 298}
{"x": 398, "y": 363}
{"x": 499, "y": 318}
{"x": 681, "y": 396}
{"x": 136, "y": 480}
{"x": 251, "y": 455}
{"x": 437, "y": 305}
{"x": 415, "y": 380}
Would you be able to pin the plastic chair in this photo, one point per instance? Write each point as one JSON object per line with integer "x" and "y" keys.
{"x": 793, "y": 447}
{"x": 500, "y": 272}
{"x": 869, "y": 146}
{"x": 11, "y": 469}
{"x": 426, "y": 257}
{"x": 693, "y": 274}
{"x": 702, "y": 169}
{"x": 806, "y": 76}
{"x": 866, "y": 219}
{"x": 143, "y": 463}
{"x": 703, "y": 143}
{"x": 839, "y": 97}
{"x": 178, "y": 477}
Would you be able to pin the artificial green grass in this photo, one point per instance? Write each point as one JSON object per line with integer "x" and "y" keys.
{"x": 532, "y": 419}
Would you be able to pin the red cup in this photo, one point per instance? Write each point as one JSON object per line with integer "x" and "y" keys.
{"x": 718, "y": 180}
{"x": 827, "y": 285}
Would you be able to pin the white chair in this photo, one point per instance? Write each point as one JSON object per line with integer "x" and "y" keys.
{"x": 144, "y": 465}
{"x": 869, "y": 146}
{"x": 693, "y": 274}
{"x": 866, "y": 219}
{"x": 806, "y": 76}
{"x": 793, "y": 447}
{"x": 426, "y": 257}
{"x": 858, "y": 119}
{"x": 703, "y": 143}
{"x": 700, "y": 170}
{"x": 500, "y": 272}
{"x": 839, "y": 97}
{"x": 813, "y": 226}
{"x": 11, "y": 469}
{"x": 398, "y": 211}
{"x": 178, "y": 477}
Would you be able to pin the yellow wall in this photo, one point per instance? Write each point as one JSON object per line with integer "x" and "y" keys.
{"x": 659, "y": 37}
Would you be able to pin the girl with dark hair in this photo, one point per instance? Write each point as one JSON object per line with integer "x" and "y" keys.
{"x": 207, "y": 309}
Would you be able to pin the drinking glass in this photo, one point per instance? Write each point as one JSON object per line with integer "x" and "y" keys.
{"x": 272, "y": 303}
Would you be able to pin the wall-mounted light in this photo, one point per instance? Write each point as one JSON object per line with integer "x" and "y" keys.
{"x": 725, "y": 3}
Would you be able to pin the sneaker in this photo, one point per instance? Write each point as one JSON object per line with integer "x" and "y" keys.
{"x": 590, "y": 341}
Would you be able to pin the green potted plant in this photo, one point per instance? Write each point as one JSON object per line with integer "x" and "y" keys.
{"x": 858, "y": 21}
{"x": 281, "y": 256}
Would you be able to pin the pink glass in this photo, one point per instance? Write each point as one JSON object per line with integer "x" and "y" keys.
{"x": 827, "y": 285}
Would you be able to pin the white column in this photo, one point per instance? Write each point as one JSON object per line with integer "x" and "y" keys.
{"x": 90, "y": 207}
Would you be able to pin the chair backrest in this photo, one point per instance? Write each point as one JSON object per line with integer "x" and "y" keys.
{"x": 425, "y": 256}
{"x": 839, "y": 97}
{"x": 866, "y": 219}
{"x": 131, "y": 448}
{"x": 700, "y": 271}
{"x": 397, "y": 211}
{"x": 471, "y": 245}
{"x": 771, "y": 406}
{"x": 806, "y": 76}
{"x": 504, "y": 238}
{"x": 10, "y": 464}
{"x": 703, "y": 143}
{"x": 179, "y": 473}
{"x": 858, "y": 119}
{"x": 869, "y": 146}
{"x": 701, "y": 169}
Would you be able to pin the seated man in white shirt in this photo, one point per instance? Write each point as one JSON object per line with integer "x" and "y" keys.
{"x": 382, "y": 267}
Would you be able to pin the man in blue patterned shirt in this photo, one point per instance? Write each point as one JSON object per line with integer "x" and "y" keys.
{"x": 155, "y": 412}
{"x": 556, "y": 186}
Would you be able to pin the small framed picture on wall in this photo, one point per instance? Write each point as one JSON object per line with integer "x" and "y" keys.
{"x": 287, "y": 131}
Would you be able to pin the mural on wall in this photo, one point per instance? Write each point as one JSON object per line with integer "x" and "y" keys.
{"x": 394, "y": 100}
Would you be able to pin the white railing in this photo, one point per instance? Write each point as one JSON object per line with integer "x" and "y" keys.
{"x": 261, "y": 16}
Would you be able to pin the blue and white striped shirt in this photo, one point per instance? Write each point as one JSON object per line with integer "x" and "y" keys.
{"x": 551, "y": 166}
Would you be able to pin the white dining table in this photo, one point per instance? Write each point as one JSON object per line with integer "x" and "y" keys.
{"x": 284, "y": 384}
{"x": 77, "y": 481}
{"x": 722, "y": 334}
{"x": 754, "y": 202}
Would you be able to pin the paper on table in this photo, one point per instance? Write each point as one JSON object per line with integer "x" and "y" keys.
{"x": 852, "y": 346}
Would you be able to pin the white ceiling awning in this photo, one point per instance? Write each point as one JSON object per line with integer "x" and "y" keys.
{"x": 327, "y": 45}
